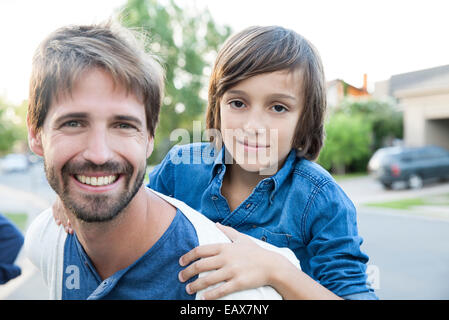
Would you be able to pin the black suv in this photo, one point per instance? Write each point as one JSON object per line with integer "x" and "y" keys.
{"x": 412, "y": 165}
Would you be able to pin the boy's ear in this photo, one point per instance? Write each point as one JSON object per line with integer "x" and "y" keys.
{"x": 35, "y": 139}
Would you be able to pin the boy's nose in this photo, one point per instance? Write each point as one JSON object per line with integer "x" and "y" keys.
{"x": 255, "y": 124}
{"x": 97, "y": 148}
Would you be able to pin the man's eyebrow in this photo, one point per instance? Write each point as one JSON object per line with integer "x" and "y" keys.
{"x": 72, "y": 115}
{"x": 129, "y": 119}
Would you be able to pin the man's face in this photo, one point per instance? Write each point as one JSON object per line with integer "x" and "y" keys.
{"x": 95, "y": 144}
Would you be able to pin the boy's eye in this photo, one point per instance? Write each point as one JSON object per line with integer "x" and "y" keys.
{"x": 279, "y": 108}
{"x": 237, "y": 104}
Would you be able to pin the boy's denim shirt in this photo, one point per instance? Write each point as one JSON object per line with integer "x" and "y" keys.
{"x": 300, "y": 207}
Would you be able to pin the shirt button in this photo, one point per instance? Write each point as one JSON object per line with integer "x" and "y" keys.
{"x": 214, "y": 198}
{"x": 264, "y": 238}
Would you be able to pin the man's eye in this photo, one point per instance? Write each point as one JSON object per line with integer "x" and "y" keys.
{"x": 237, "y": 104}
{"x": 279, "y": 108}
{"x": 72, "y": 124}
{"x": 124, "y": 126}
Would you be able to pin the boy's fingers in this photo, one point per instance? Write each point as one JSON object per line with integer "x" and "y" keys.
{"x": 200, "y": 252}
{"x": 205, "y": 282}
{"x": 231, "y": 233}
{"x": 220, "y": 291}
{"x": 202, "y": 265}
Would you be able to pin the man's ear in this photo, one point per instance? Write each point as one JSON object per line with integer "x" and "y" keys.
{"x": 35, "y": 139}
{"x": 150, "y": 146}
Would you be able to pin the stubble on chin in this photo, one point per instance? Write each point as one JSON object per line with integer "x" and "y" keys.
{"x": 95, "y": 208}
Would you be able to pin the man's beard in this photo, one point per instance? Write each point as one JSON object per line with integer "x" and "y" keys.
{"x": 96, "y": 207}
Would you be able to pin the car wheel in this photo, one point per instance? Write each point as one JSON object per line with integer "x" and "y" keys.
{"x": 387, "y": 186}
{"x": 415, "y": 181}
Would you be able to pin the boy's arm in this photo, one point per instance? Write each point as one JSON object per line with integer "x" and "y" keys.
{"x": 333, "y": 243}
{"x": 248, "y": 263}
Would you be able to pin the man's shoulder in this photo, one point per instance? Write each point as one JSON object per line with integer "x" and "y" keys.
{"x": 41, "y": 229}
{"x": 208, "y": 233}
{"x": 44, "y": 246}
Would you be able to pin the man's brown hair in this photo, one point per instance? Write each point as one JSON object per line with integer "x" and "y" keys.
{"x": 63, "y": 57}
{"x": 258, "y": 50}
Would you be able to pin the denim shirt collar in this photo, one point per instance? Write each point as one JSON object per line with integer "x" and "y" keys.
{"x": 278, "y": 178}
{"x": 218, "y": 165}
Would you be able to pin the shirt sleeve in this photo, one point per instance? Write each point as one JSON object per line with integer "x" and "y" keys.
{"x": 161, "y": 178}
{"x": 44, "y": 246}
{"x": 333, "y": 243}
{"x": 11, "y": 241}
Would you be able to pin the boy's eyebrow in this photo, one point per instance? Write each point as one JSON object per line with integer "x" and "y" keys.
{"x": 272, "y": 96}
{"x": 282, "y": 96}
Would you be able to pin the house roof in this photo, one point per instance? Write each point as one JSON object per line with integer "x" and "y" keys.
{"x": 415, "y": 78}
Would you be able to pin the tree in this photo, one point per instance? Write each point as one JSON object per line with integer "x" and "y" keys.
{"x": 12, "y": 125}
{"x": 348, "y": 139}
{"x": 386, "y": 121}
{"x": 187, "y": 41}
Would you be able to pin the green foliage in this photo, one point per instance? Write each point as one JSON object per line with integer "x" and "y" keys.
{"x": 355, "y": 130}
{"x": 387, "y": 122}
{"x": 187, "y": 42}
{"x": 348, "y": 138}
{"x": 12, "y": 126}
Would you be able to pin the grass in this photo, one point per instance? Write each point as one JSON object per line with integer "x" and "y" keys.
{"x": 340, "y": 177}
{"x": 405, "y": 204}
{"x": 19, "y": 219}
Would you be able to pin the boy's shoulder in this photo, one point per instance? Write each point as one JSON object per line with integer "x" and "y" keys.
{"x": 312, "y": 172}
{"x": 193, "y": 153}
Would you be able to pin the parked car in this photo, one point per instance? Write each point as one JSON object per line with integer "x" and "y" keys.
{"x": 411, "y": 165}
{"x": 13, "y": 162}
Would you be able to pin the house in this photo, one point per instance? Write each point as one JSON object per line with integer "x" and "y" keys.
{"x": 337, "y": 90}
{"x": 423, "y": 97}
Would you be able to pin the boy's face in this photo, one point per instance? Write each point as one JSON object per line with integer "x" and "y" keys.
{"x": 95, "y": 144}
{"x": 259, "y": 117}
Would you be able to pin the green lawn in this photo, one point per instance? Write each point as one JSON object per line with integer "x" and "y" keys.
{"x": 405, "y": 204}
{"x": 19, "y": 219}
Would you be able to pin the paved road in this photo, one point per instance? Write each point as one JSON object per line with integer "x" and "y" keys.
{"x": 411, "y": 252}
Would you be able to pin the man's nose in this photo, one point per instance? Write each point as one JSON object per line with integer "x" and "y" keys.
{"x": 98, "y": 148}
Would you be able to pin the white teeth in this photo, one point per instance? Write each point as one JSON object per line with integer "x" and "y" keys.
{"x": 96, "y": 181}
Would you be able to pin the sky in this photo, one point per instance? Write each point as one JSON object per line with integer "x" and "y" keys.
{"x": 378, "y": 37}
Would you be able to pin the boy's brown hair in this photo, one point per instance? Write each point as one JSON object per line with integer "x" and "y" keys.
{"x": 63, "y": 57}
{"x": 258, "y": 50}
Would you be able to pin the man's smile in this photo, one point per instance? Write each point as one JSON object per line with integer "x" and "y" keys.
{"x": 96, "y": 180}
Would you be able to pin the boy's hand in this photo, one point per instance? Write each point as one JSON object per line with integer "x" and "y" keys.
{"x": 60, "y": 216}
{"x": 241, "y": 265}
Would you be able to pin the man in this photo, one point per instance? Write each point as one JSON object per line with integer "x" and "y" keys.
{"x": 94, "y": 103}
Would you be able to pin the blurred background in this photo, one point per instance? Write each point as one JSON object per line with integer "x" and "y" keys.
{"x": 387, "y": 70}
